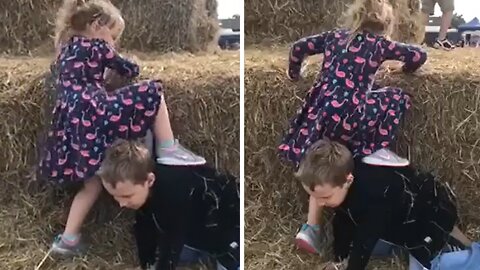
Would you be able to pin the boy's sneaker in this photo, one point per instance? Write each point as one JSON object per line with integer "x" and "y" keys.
{"x": 60, "y": 247}
{"x": 385, "y": 157}
{"x": 179, "y": 156}
{"x": 310, "y": 239}
{"x": 444, "y": 44}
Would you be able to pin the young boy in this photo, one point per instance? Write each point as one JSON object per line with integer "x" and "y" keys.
{"x": 400, "y": 205}
{"x": 176, "y": 206}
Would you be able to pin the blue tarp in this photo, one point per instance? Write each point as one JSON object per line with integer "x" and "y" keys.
{"x": 473, "y": 25}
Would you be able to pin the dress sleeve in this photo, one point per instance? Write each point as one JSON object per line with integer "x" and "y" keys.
{"x": 115, "y": 61}
{"x": 304, "y": 47}
{"x": 412, "y": 56}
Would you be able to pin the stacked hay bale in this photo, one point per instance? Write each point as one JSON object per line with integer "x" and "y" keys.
{"x": 156, "y": 25}
{"x": 442, "y": 132}
{"x": 288, "y": 20}
{"x": 201, "y": 93}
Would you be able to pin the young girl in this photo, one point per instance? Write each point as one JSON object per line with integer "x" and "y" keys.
{"x": 86, "y": 119}
{"x": 344, "y": 104}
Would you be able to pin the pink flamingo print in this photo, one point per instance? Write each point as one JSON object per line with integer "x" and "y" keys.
{"x": 67, "y": 171}
{"x": 355, "y": 100}
{"x": 92, "y": 136}
{"x": 111, "y": 97}
{"x": 372, "y": 63}
{"x": 85, "y": 122}
{"x": 350, "y": 84}
{"x": 297, "y": 151}
{"x": 143, "y": 88}
{"x": 110, "y": 54}
{"x": 85, "y": 153}
{"x": 336, "y": 118}
{"x": 127, "y": 101}
{"x": 116, "y": 117}
{"x": 312, "y": 116}
{"x": 92, "y": 64}
{"x": 135, "y": 128}
{"x": 416, "y": 56}
{"x": 72, "y": 106}
{"x": 95, "y": 162}
{"x": 355, "y": 49}
{"x": 86, "y": 44}
{"x": 77, "y": 87}
{"x": 336, "y": 104}
{"x": 67, "y": 83}
{"x": 62, "y": 161}
{"x": 284, "y": 147}
{"x": 101, "y": 110}
{"x": 79, "y": 173}
{"x": 294, "y": 59}
{"x": 86, "y": 96}
{"x": 311, "y": 46}
{"x": 339, "y": 73}
{"x": 75, "y": 146}
{"x": 372, "y": 123}
{"x": 371, "y": 101}
{"x": 139, "y": 106}
{"x": 149, "y": 113}
{"x": 54, "y": 173}
{"x": 304, "y": 131}
{"x": 329, "y": 63}
{"x": 122, "y": 128}
{"x": 346, "y": 125}
{"x": 330, "y": 93}
{"x": 392, "y": 46}
{"x": 396, "y": 121}
{"x": 382, "y": 131}
{"x": 78, "y": 65}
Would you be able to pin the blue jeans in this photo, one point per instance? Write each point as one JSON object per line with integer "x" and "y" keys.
{"x": 468, "y": 259}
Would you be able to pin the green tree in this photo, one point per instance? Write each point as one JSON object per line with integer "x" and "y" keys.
{"x": 457, "y": 20}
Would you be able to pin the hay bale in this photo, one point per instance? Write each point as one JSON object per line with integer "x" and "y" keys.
{"x": 289, "y": 20}
{"x": 201, "y": 92}
{"x": 203, "y": 97}
{"x": 442, "y": 132}
{"x": 153, "y": 25}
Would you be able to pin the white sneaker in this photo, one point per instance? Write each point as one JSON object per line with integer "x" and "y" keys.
{"x": 385, "y": 157}
{"x": 179, "y": 156}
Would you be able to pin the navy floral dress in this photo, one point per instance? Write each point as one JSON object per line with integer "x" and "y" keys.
{"x": 344, "y": 104}
{"x": 85, "y": 118}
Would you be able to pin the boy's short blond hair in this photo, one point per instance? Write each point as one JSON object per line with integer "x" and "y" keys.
{"x": 326, "y": 162}
{"x": 126, "y": 161}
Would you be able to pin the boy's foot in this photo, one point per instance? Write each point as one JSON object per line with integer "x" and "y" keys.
{"x": 309, "y": 239}
{"x": 59, "y": 246}
{"x": 177, "y": 155}
{"x": 385, "y": 157}
{"x": 443, "y": 44}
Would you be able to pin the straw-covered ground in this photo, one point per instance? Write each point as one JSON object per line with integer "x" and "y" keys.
{"x": 203, "y": 97}
{"x": 442, "y": 132}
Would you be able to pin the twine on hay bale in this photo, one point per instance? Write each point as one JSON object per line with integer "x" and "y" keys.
{"x": 203, "y": 97}
{"x": 289, "y": 20}
{"x": 151, "y": 25}
{"x": 442, "y": 132}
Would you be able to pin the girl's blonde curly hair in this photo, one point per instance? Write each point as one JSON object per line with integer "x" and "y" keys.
{"x": 375, "y": 16}
{"x": 75, "y": 15}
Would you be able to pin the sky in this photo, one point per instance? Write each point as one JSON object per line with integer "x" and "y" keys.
{"x": 228, "y": 8}
{"x": 468, "y": 8}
